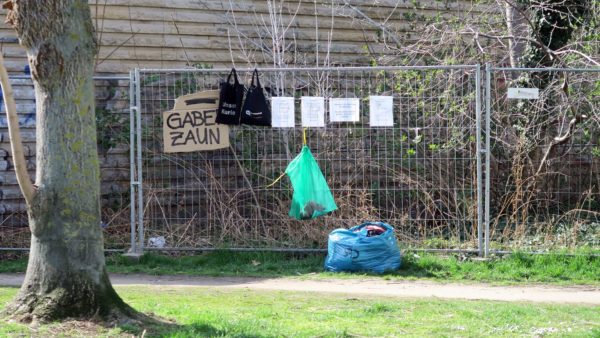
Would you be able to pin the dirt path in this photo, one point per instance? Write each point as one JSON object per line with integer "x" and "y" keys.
{"x": 589, "y": 295}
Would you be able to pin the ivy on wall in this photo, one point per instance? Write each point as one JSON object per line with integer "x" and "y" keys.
{"x": 553, "y": 25}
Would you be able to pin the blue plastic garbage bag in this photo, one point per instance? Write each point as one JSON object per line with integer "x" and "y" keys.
{"x": 359, "y": 249}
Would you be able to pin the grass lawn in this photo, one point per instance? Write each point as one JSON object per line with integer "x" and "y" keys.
{"x": 556, "y": 268}
{"x": 201, "y": 312}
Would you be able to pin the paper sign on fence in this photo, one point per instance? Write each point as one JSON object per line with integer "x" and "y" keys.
{"x": 191, "y": 125}
{"x": 523, "y": 93}
{"x": 282, "y": 110}
{"x": 344, "y": 110}
{"x": 313, "y": 111}
{"x": 381, "y": 110}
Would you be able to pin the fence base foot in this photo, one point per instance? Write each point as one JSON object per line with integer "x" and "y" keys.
{"x": 134, "y": 256}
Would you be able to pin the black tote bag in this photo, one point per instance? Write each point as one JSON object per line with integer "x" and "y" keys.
{"x": 230, "y": 100}
{"x": 256, "y": 110}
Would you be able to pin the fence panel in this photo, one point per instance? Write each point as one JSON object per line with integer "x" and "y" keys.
{"x": 419, "y": 175}
{"x": 545, "y": 159}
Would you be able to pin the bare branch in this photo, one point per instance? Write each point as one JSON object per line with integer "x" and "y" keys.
{"x": 98, "y": 62}
{"x": 181, "y": 40}
{"x": 587, "y": 57}
{"x": 16, "y": 144}
{"x": 383, "y": 27}
{"x": 560, "y": 140}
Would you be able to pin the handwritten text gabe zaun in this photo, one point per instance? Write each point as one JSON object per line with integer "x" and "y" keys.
{"x": 191, "y": 125}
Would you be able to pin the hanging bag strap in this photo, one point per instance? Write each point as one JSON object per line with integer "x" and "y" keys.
{"x": 255, "y": 75}
{"x": 304, "y": 136}
{"x": 235, "y": 77}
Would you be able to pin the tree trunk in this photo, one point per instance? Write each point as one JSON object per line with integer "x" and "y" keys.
{"x": 66, "y": 275}
{"x": 516, "y": 26}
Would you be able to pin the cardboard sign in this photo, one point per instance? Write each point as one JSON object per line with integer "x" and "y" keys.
{"x": 191, "y": 125}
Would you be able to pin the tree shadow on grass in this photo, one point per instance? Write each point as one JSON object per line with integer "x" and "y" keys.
{"x": 160, "y": 328}
{"x": 259, "y": 265}
{"x": 94, "y": 328}
{"x": 411, "y": 268}
{"x": 141, "y": 325}
{"x": 262, "y": 265}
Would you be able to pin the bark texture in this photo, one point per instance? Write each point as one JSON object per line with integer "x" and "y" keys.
{"x": 516, "y": 26}
{"x": 66, "y": 275}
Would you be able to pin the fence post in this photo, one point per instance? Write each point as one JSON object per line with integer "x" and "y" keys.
{"x": 479, "y": 162}
{"x": 132, "y": 152}
{"x": 140, "y": 207}
{"x": 488, "y": 110}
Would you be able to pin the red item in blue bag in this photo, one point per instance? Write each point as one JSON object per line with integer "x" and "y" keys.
{"x": 372, "y": 230}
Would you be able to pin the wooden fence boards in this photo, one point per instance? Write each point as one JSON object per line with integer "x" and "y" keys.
{"x": 176, "y": 34}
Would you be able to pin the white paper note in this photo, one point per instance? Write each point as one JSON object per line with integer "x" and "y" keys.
{"x": 282, "y": 110}
{"x": 523, "y": 93}
{"x": 344, "y": 110}
{"x": 313, "y": 111}
{"x": 381, "y": 110}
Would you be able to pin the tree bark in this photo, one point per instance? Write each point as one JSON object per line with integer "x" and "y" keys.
{"x": 516, "y": 28}
{"x": 66, "y": 274}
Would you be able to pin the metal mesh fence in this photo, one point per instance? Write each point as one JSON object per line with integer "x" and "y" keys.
{"x": 419, "y": 175}
{"x": 545, "y": 160}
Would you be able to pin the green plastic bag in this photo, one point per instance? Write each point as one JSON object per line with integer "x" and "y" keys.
{"x": 312, "y": 197}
